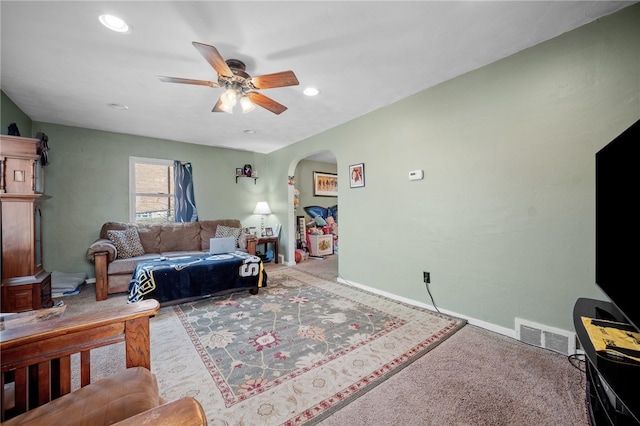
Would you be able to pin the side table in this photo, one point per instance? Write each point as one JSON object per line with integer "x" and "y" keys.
{"x": 266, "y": 241}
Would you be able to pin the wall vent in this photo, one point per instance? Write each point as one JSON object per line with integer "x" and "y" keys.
{"x": 546, "y": 337}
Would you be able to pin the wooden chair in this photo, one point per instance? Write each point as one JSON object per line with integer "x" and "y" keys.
{"x": 36, "y": 359}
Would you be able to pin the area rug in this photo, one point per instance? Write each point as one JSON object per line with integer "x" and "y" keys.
{"x": 293, "y": 354}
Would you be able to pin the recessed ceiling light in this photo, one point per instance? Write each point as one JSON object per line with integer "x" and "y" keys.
{"x": 118, "y": 106}
{"x": 249, "y": 131}
{"x": 114, "y": 23}
{"x": 311, "y": 91}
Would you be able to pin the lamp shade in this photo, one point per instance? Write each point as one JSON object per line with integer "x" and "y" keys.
{"x": 262, "y": 208}
{"x": 246, "y": 104}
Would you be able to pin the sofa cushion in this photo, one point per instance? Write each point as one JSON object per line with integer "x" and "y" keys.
{"x": 127, "y": 266}
{"x": 127, "y": 243}
{"x": 223, "y": 231}
{"x": 150, "y": 238}
{"x": 172, "y": 254}
{"x": 116, "y": 226}
{"x": 180, "y": 237}
{"x": 208, "y": 229}
{"x": 107, "y": 401}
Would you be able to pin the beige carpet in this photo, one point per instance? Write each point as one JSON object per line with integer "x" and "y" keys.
{"x": 475, "y": 377}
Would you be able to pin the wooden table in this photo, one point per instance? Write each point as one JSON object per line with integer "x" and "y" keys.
{"x": 272, "y": 240}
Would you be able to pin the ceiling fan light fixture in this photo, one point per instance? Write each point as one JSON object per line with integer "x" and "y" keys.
{"x": 246, "y": 104}
{"x": 114, "y": 23}
{"x": 226, "y": 108}
{"x": 229, "y": 97}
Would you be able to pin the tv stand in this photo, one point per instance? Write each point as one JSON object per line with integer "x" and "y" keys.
{"x": 611, "y": 387}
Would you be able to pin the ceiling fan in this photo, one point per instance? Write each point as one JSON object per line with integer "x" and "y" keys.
{"x": 239, "y": 85}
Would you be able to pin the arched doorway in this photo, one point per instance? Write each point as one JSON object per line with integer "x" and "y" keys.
{"x": 300, "y": 172}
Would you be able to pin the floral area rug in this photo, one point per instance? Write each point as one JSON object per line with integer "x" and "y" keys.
{"x": 293, "y": 354}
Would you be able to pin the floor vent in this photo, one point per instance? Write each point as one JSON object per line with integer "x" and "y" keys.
{"x": 546, "y": 337}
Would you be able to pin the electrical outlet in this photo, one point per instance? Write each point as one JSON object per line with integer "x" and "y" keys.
{"x": 426, "y": 276}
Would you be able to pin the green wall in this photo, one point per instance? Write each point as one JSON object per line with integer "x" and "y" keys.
{"x": 504, "y": 219}
{"x": 10, "y": 113}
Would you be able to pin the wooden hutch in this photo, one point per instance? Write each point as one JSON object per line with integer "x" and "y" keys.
{"x": 25, "y": 283}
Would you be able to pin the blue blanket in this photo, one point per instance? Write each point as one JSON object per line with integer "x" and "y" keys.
{"x": 188, "y": 277}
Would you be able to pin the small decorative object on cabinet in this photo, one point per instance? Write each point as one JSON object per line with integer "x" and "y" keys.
{"x": 320, "y": 245}
{"x": 25, "y": 283}
{"x": 612, "y": 382}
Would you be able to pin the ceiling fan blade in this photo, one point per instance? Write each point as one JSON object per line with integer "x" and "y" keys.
{"x": 266, "y": 103}
{"x": 188, "y": 81}
{"x": 218, "y": 106}
{"x": 214, "y": 58}
{"x": 278, "y": 79}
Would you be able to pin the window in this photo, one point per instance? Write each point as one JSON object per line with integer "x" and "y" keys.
{"x": 151, "y": 190}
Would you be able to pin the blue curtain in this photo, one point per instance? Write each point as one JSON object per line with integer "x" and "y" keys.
{"x": 185, "y": 199}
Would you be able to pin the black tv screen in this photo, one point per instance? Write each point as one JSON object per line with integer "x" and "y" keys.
{"x": 618, "y": 221}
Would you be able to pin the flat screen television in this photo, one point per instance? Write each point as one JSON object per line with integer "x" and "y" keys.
{"x": 618, "y": 221}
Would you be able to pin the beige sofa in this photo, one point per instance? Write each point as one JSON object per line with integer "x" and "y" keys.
{"x": 113, "y": 267}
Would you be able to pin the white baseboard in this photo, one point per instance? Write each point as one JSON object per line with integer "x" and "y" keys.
{"x": 473, "y": 321}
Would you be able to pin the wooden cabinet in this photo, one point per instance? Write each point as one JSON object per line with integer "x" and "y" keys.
{"x": 22, "y": 172}
{"x": 320, "y": 245}
{"x": 33, "y": 293}
{"x": 25, "y": 283}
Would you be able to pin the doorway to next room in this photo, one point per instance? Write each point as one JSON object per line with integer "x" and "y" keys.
{"x": 315, "y": 208}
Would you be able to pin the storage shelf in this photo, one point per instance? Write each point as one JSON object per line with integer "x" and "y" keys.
{"x": 255, "y": 178}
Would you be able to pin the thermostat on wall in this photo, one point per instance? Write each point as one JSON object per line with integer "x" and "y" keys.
{"x": 416, "y": 175}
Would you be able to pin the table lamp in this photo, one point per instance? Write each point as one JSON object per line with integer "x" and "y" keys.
{"x": 262, "y": 208}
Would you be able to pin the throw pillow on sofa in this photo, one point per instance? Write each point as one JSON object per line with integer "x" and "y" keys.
{"x": 127, "y": 243}
{"x": 228, "y": 232}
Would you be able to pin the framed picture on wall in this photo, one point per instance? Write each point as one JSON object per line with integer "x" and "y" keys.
{"x": 356, "y": 175}
{"x": 325, "y": 184}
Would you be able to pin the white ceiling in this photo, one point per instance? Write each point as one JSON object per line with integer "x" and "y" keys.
{"x": 60, "y": 65}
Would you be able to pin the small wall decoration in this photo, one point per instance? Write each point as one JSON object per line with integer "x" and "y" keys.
{"x": 239, "y": 171}
{"x": 325, "y": 184}
{"x": 356, "y": 175}
{"x": 247, "y": 170}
